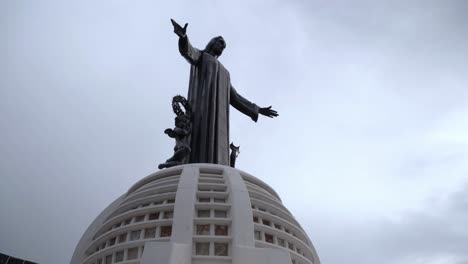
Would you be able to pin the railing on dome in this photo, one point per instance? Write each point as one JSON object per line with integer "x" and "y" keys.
{"x": 260, "y": 184}
{"x": 155, "y": 176}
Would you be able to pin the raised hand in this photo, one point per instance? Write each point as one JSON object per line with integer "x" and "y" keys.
{"x": 180, "y": 31}
{"x": 267, "y": 111}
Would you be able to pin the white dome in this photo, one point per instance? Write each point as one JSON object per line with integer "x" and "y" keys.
{"x": 196, "y": 213}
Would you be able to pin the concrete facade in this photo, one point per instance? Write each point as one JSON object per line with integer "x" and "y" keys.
{"x": 200, "y": 214}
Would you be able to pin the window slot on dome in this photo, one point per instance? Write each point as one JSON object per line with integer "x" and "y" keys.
{"x": 281, "y": 242}
{"x": 168, "y": 215}
{"x": 258, "y": 235}
{"x": 166, "y": 231}
{"x": 269, "y": 238}
{"x": 153, "y": 216}
{"x": 204, "y": 188}
{"x": 211, "y": 171}
{"x": 219, "y": 188}
{"x": 139, "y": 218}
{"x": 150, "y": 232}
{"x": 212, "y": 188}
{"x": 221, "y": 230}
{"x": 202, "y": 248}
{"x": 220, "y": 214}
{"x": 211, "y": 180}
{"x": 135, "y": 235}
{"x": 132, "y": 253}
{"x": 204, "y": 199}
{"x": 221, "y": 249}
{"x": 203, "y": 230}
{"x": 210, "y": 177}
{"x": 203, "y": 213}
{"x": 122, "y": 238}
{"x": 108, "y": 259}
{"x": 119, "y": 256}
{"x": 112, "y": 241}
{"x": 218, "y": 200}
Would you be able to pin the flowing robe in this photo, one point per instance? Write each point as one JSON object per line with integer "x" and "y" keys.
{"x": 210, "y": 94}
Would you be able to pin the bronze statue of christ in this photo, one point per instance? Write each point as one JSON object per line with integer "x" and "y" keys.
{"x": 210, "y": 94}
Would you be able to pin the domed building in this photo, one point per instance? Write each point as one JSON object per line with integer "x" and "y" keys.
{"x": 200, "y": 214}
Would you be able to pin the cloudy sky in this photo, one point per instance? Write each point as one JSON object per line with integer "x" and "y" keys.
{"x": 370, "y": 150}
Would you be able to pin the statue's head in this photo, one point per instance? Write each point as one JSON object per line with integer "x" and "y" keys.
{"x": 182, "y": 121}
{"x": 216, "y": 46}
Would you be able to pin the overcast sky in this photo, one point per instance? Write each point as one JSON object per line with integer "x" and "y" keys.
{"x": 370, "y": 151}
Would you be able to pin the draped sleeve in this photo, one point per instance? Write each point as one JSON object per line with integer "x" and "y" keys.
{"x": 243, "y": 105}
{"x": 190, "y": 53}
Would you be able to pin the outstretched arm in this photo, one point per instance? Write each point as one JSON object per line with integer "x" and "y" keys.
{"x": 248, "y": 108}
{"x": 243, "y": 105}
{"x": 190, "y": 53}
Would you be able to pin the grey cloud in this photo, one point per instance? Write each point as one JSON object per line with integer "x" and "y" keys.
{"x": 434, "y": 234}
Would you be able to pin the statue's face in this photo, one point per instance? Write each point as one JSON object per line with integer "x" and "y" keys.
{"x": 218, "y": 47}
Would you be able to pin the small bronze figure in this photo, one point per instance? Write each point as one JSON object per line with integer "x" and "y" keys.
{"x": 234, "y": 153}
{"x": 181, "y": 133}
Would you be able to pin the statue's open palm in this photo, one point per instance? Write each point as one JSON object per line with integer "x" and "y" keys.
{"x": 267, "y": 111}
